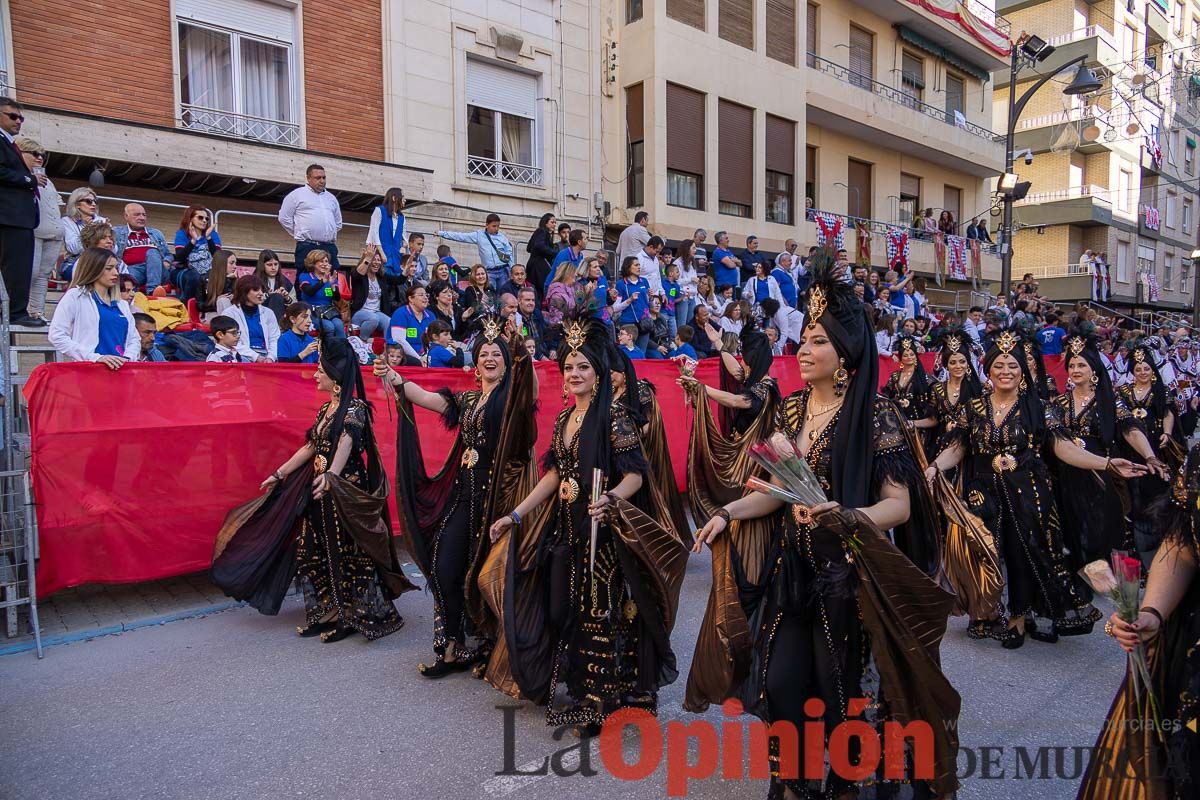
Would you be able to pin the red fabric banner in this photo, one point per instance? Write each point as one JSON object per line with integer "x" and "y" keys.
{"x": 133, "y": 471}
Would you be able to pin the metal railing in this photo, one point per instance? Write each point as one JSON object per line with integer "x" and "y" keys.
{"x": 983, "y": 13}
{"x": 495, "y": 170}
{"x": 897, "y": 96}
{"x": 1057, "y": 271}
{"x": 879, "y": 228}
{"x": 3, "y": 81}
{"x": 1079, "y": 34}
{"x": 239, "y": 126}
{"x": 1070, "y": 193}
{"x": 254, "y": 249}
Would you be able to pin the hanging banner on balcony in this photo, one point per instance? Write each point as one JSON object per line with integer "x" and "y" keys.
{"x": 897, "y": 247}
{"x": 976, "y": 260}
{"x": 956, "y": 11}
{"x": 956, "y": 252}
{"x": 1151, "y": 287}
{"x": 862, "y": 231}
{"x": 830, "y": 230}
{"x": 1155, "y": 150}
{"x": 1153, "y": 218}
{"x": 939, "y": 257}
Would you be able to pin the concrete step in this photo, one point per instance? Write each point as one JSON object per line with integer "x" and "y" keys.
{"x": 30, "y": 360}
{"x": 23, "y": 336}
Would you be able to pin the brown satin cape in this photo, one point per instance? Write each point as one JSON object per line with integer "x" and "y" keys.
{"x": 718, "y": 467}
{"x": 969, "y": 556}
{"x": 656, "y": 554}
{"x": 668, "y": 501}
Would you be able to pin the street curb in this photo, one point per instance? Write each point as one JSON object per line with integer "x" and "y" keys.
{"x": 111, "y": 630}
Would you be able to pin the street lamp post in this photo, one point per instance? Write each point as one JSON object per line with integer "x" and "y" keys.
{"x": 1031, "y": 50}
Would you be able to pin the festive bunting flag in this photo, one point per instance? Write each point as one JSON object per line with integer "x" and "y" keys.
{"x": 830, "y": 230}
{"x": 897, "y": 247}
{"x": 939, "y": 257}
{"x": 862, "y": 232}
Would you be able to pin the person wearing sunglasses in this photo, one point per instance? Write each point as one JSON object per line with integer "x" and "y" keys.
{"x": 19, "y": 189}
{"x": 48, "y": 235}
{"x": 82, "y": 209}
{"x": 195, "y": 243}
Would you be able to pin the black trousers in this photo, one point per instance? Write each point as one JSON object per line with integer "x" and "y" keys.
{"x": 16, "y": 264}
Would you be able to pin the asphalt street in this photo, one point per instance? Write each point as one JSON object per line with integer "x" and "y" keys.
{"x": 235, "y": 705}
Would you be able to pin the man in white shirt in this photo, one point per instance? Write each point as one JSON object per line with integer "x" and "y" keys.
{"x": 648, "y": 259}
{"x": 311, "y": 215}
{"x": 633, "y": 238}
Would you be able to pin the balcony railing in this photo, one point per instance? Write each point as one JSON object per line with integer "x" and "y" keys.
{"x": 1059, "y": 117}
{"x": 239, "y": 126}
{"x": 983, "y": 13}
{"x": 1057, "y": 271}
{"x": 880, "y": 228}
{"x": 1079, "y": 34}
{"x": 3, "y": 82}
{"x": 897, "y": 96}
{"x": 490, "y": 168}
{"x": 1070, "y": 193}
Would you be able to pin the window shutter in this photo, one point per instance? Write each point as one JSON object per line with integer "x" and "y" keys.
{"x": 735, "y": 148}
{"x": 781, "y": 31}
{"x": 858, "y": 199}
{"x": 913, "y": 71}
{"x": 862, "y": 45}
{"x": 954, "y": 94}
{"x": 685, "y": 129}
{"x": 781, "y": 145}
{"x": 910, "y": 185}
{"x": 736, "y": 22}
{"x": 689, "y": 12}
{"x": 501, "y": 89}
{"x": 255, "y": 17}
{"x": 811, "y": 33}
{"x": 635, "y": 112}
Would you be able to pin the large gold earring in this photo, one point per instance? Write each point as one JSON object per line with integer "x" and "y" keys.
{"x": 1095, "y": 379}
{"x": 841, "y": 378}
{"x": 565, "y": 394}
{"x": 595, "y": 386}
{"x": 1152, "y": 378}
{"x": 337, "y": 388}
{"x": 1023, "y": 385}
{"x": 478, "y": 377}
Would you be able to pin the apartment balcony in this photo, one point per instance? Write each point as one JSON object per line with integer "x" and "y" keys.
{"x": 1076, "y": 205}
{"x": 976, "y": 34}
{"x": 239, "y": 126}
{"x": 861, "y": 107}
{"x": 1158, "y": 24}
{"x": 1094, "y": 42}
{"x": 1039, "y": 133}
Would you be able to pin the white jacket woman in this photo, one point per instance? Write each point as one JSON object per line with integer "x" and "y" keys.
{"x": 75, "y": 327}
{"x": 270, "y": 328}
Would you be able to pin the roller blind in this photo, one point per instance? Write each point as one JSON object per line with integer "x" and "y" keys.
{"x": 781, "y": 30}
{"x": 862, "y": 56}
{"x": 689, "y": 12}
{"x": 255, "y": 17}
{"x": 910, "y": 185}
{"x": 735, "y": 148}
{"x": 811, "y": 33}
{"x": 781, "y": 145}
{"x": 736, "y": 22}
{"x": 685, "y": 129}
{"x": 635, "y": 112}
{"x": 501, "y": 89}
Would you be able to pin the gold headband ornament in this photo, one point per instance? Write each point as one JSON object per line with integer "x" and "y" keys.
{"x": 1076, "y": 345}
{"x": 953, "y": 345}
{"x": 576, "y": 336}
{"x": 1006, "y": 342}
{"x": 491, "y": 330}
{"x": 816, "y": 305}
{"x": 1139, "y": 356}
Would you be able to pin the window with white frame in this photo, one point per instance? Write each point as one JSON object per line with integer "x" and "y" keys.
{"x": 502, "y": 124}
{"x": 1187, "y": 215}
{"x": 1168, "y": 281}
{"x": 1123, "y": 262}
{"x": 1171, "y": 203}
{"x": 237, "y": 70}
{"x": 5, "y": 84}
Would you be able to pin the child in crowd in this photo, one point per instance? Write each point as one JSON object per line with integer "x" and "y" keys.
{"x": 683, "y": 343}
{"x": 531, "y": 347}
{"x": 128, "y": 288}
{"x": 673, "y": 293}
{"x": 626, "y": 336}
{"x": 295, "y": 345}
{"x": 226, "y": 333}
{"x": 440, "y": 350}
{"x": 394, "y": 355}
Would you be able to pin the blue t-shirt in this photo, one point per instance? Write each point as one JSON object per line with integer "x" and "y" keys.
{"x": 324, "y": 293}
{"x": 258, "y": 340}
{"x": 114, "y": 327}
{"x": 673, "y": 292}
{"x": 897, "y": 296}
{"x": 440, "y": 356}
{"x": 725, "y": 276}
{"x": 566, "y": 254}
{"x": 406, "y": 325}
{"x": 1051, "y": 339}
{"x": 291, "y": 343}
{"x": 787, "y": 286}
{"x": 762, "y": 290}
{"x": 633, "y": 352}
{"x": 684, "y": 349}
{"x": 601, "y": 296}
{"x": 200, "y": 259}
{"x": 640, "y": 307}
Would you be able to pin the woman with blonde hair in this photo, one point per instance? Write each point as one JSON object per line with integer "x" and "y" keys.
{"x": 560, "y": 296}
{"x": 82, "y": 208}
{"x": 48, "y": 235}
{"x": 92, "y": 322}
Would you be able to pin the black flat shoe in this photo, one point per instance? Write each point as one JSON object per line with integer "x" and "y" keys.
{"x": 1049, "y": 637}
{"x": 441, "y": 668}
{"x": 1011, "y": 639}
{"x": 1079, "y": 626}
{"x": 337, "y": 634}
{"x": 316, "y": 629}
{"x": 588, "y": 731}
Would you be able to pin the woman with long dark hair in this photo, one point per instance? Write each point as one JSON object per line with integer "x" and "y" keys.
{"x": 998, "y": 439}
{"x": 1098, "y": 420}
{"x": 801, "y": 616}
{"x": 386, "y": 230}
{"x": 443, "y": 516}
{"x": 323, "y": 518}
{"x": 542, "y": 249}
{"x": 1047, "y": 387}
{"x": 909, "y": 386}
{"x": 593, "y": 583}
{"x": 280, "y": 291}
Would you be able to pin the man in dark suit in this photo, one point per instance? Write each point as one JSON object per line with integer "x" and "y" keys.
{"x": 18, "y": 215}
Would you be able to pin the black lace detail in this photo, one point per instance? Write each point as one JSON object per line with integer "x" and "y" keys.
{"x": 550, "y": 460}
{"x": 889, "y": 427}
{"x": 355, "y": 423}
{"x": 627, "y": 456}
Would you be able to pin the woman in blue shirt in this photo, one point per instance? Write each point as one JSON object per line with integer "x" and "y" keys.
{"x": 408, "y": 324}
{"x": 318, "y": 287}
{"x": 634, "y": 288}
{"x": 195, "y": 243}
{"x": 92, "y": 322}
{"x": 295, "y": 345}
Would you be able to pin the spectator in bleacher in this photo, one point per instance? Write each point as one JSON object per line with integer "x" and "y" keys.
{"x": 195, "y": 243}
{"x": 661, "y": 338}
{"x": 506, "y": 307}
{"x": 407, "y": 325}
{"x": 127, "y": 288}
{"x": 146, "y": 329}
{"x": 495, "y": 251}
{"x": 592, "y": 282}
{"x": 19, "y": 210}
{"x": 531, "y": 348}
{"x": 386, "y": 229}
{"x": 571, "y": 254}
{"x": 100, "y": 234}
{"x": 947, "y": 224}
{"x": 532, "y": 323}
{"x": 706, "y": 295}
{"x": 564, "y": 236}
{"x": 259, "y": 340}
{"x": 217, "y": 290}
{"x": 735, "y": 316}
{"x": 627, "y": 340}
{"x": 82, "y": 209}
{"x": 143, "y": 249}
{"x": 48, "y": 235}
{"x": 683, "y": 344}
{"x": 561, "y": 295}
{"x": 751, "y": 258}
{"x": 393, "y": 354}
{"x": 763, "y": 285}
{"x": 634, "y": 237}
{"x": 444, "y": 305}
{"x": 782, "y": 273}
{"x": 441, "y": 271}
{"x": 295, "y": 345}
{"x": 371, "y": 303}
{"x": 633, "y": 287}
{"x": 542, "y": 252}
{"x": 440, "y": 347}
{"x": 311, "y": 215}
{"x": 416, "y": 252}
{"x": 516, "y": 281}
{"x": 726, "y": 267}
{"x": 227, "y": 336}
{"x": 317, "y": 285}
{"x": 701, "y": 324}
{"x": 280, "y": 291}
{"x": 92, "y": 322}
{"x": 699, "y": 237}
{"x": 480, "y": 295}
{"x": 689, "y": 277}
{"x": 648, "y": 265}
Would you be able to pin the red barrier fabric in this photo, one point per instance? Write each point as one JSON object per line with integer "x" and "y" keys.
{"x": 134, "y": 470}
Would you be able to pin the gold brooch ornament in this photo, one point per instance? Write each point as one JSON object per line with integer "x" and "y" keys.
{"x": 975, "y": 498}
{"x": 1076, "y": 345}
{"x": 902, "y": 402}
{"x": 1139, "y": 356}
{"x": 320, "y": 464}
{"x": 1004, "y": 463}
{"x": 470, "y": 457}
{"x": 816, "y": 304}
{"x": 568, "y": 490}
{"x": 1007, "y": 342}
{"x": 1139, "y": 413}
{"x": 576, "y": 335}
{"x": 1080, "y": 443}
{"x": 802, "y": 515}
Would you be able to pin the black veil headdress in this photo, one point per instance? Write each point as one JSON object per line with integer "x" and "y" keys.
{"x": 1029, "y": 399}
{"x": 1141, "y": 354}
{"x": 920, "y": 378}
{"x": 590, "y": 338}
{"x": 954, "y": 342}
{"x": 1084, "y": 345}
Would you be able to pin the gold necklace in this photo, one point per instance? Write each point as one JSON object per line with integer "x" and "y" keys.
{"x": 578, "y": 418}
{"x": 827, "y": 408}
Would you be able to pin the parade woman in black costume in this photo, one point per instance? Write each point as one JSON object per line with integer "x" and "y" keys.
{"x": 909, "y": 387}
{"x": 835, "y": 593}
{"x": 444, "y": 516}
{"x": 998, "y": 439}
{"x": 961, "y": 384}
{"x": 746, "y": 387}
{"x": 1131, "y": 760}
{"x": 1095, "y": 417}
{"x": 1152, "y": 404}
{"x": 586, "y": 635}
{"x": 1046, "y": 385}
{"x": 323, "y": 518}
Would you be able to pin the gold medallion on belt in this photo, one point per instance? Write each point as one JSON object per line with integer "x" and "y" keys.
{"x": 470, "y": 457}
{"x": 568, "y": 490}
{"x": 320, "y": 464}
{"x": 1004, "y": 462}
{"x": 1139, "y": 413}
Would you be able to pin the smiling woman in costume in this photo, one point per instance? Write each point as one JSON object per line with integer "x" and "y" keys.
{"x": 324, "y": 519}
{"x": 835, "y": 593}
{"x": 593, "y": 585}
